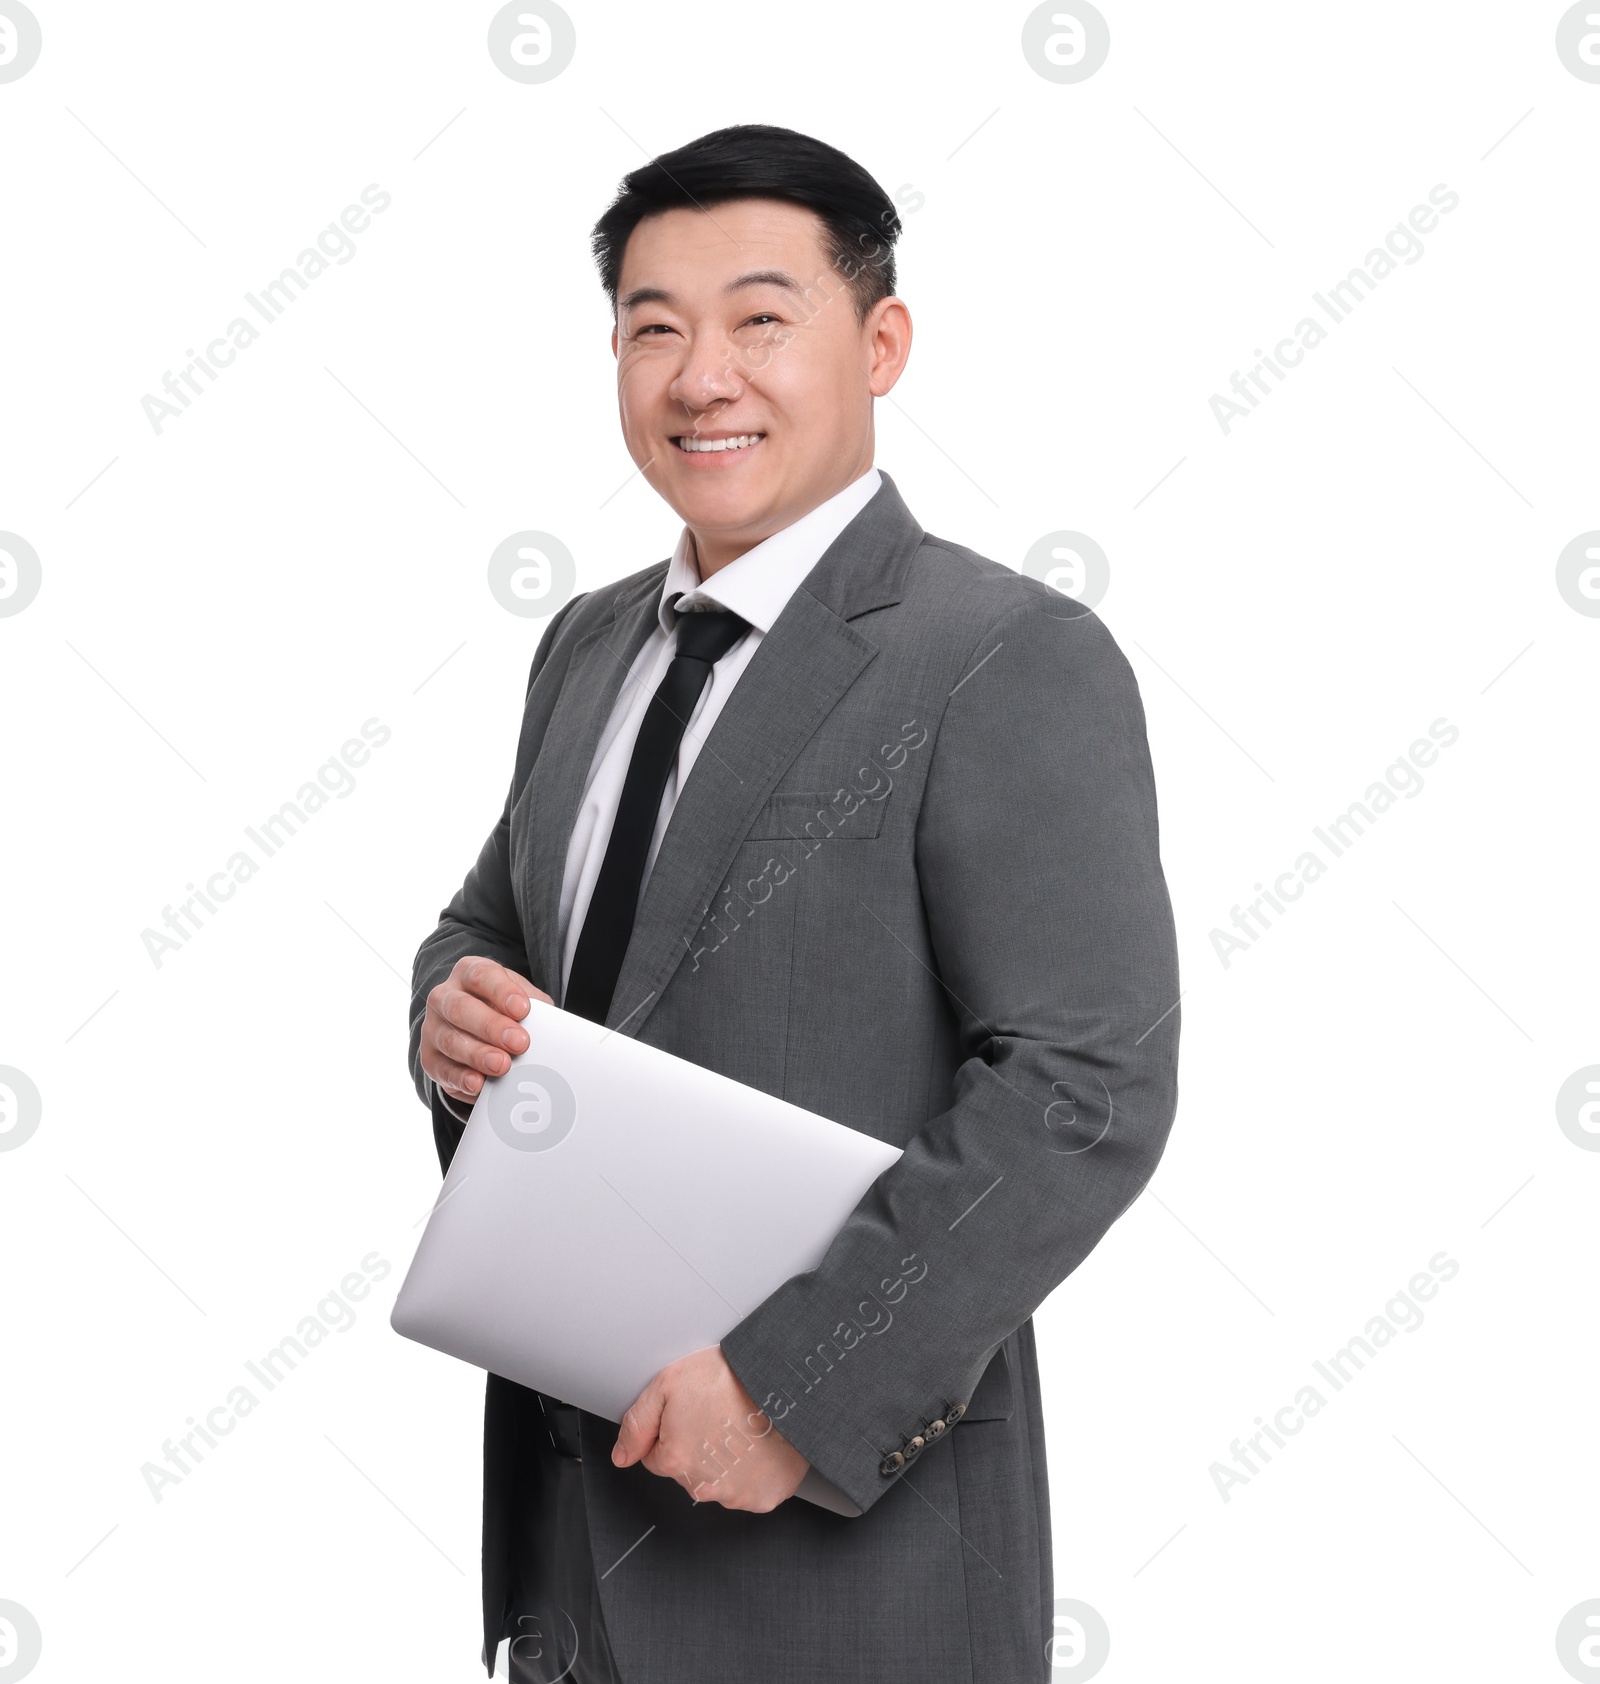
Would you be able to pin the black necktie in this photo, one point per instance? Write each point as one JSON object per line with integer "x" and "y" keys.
{"x": 704, "y": 637}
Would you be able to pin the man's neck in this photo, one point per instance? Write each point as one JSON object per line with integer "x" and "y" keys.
{"x": 711, "y": 554}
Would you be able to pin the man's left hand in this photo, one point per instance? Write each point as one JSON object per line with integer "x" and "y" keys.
{"x": 696, "y": 1423}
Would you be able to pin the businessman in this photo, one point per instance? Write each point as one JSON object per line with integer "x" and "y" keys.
{"x": 855, "y": 816}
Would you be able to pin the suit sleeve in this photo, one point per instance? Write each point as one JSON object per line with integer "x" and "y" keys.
{"x": 481, "y": 919}
{"x": 1051, "y": 932}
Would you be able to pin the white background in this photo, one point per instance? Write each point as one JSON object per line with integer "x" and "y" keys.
{"x": 227, "y": 1135}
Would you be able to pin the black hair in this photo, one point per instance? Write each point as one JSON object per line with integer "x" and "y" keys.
{"x": 761, "y": 161}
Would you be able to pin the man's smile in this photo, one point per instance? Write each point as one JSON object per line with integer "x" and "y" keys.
{"x": 717, "y": 446}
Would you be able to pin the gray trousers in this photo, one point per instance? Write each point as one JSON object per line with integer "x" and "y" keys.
{"x": 564, "y": 1640}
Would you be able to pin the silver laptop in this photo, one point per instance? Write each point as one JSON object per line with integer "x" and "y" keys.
{"x": 611, "y": 1208}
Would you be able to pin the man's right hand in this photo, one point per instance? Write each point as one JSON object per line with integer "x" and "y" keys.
{"x": 472, "y": 1028}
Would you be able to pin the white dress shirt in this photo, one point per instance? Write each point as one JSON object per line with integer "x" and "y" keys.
{"x": 756, "y": 587}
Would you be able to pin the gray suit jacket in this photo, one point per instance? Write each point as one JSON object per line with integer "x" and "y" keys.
{"x": 913, "y": 883}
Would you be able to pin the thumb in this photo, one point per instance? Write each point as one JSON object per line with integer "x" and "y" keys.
{"x": 640, "y": 1426}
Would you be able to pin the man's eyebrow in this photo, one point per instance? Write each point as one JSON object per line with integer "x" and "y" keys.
{"x": 752, "y": 278}
{"x": 644, "y": 295}
{"x": 763, "y": 278}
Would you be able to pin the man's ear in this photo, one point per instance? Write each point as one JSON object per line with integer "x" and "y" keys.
{"x": 613, "y": 341}
{"x": 888, "y": 332}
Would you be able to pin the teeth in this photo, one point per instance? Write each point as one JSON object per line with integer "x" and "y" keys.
{"x": 739, "y": 443}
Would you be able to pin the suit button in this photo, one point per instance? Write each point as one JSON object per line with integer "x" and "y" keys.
{"x": 934, "y": 1428}
{"x": 915, "y": 1445}
{"x": 891, "y": 1464}
{"x": 954, "y": 1414}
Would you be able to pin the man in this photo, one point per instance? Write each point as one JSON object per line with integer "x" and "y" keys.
{"x": 861, "y": 819}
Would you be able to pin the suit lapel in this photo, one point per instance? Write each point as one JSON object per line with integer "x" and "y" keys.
{"x": 595, "y": 675}
{"x": 804, "y": 665}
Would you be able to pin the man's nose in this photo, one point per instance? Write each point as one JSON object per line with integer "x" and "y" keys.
{"x": 709, "y": 373}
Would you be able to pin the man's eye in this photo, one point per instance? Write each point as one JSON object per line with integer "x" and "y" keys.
{"x": 653, "y": 327}
{"x": 754, "y": 319}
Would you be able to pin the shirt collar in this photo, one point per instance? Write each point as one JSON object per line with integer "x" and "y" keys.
{"x": 757, "y": 585}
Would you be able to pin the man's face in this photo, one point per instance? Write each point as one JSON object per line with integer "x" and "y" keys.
{"x": 733, "y": 324}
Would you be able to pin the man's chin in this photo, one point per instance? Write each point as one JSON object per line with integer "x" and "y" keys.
{"x": 717, "y": 508}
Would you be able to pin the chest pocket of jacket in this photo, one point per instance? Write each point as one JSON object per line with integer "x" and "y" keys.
{"x": 810, "y": 817}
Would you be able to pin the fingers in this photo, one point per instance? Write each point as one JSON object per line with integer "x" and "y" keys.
{"x": 497, "y": 986}
{"x": 700, "y": 1487}
{"x": 747, "y": 1466}
{"x": 641, "y": 1426}
{"x": 471, "y": 1029}
{"x": 709, "y": 1482}
{"x": 460, "y": 1081}
{"x": 461, "y": 1058}
{"x": 466, "y": 1024}
{"x": 718, "y": 1476}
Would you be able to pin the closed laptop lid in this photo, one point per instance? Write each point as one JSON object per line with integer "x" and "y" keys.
{"x": 611, "y": 1208}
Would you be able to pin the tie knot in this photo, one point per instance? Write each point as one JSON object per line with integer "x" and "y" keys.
{"x": 707, "y": 634}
